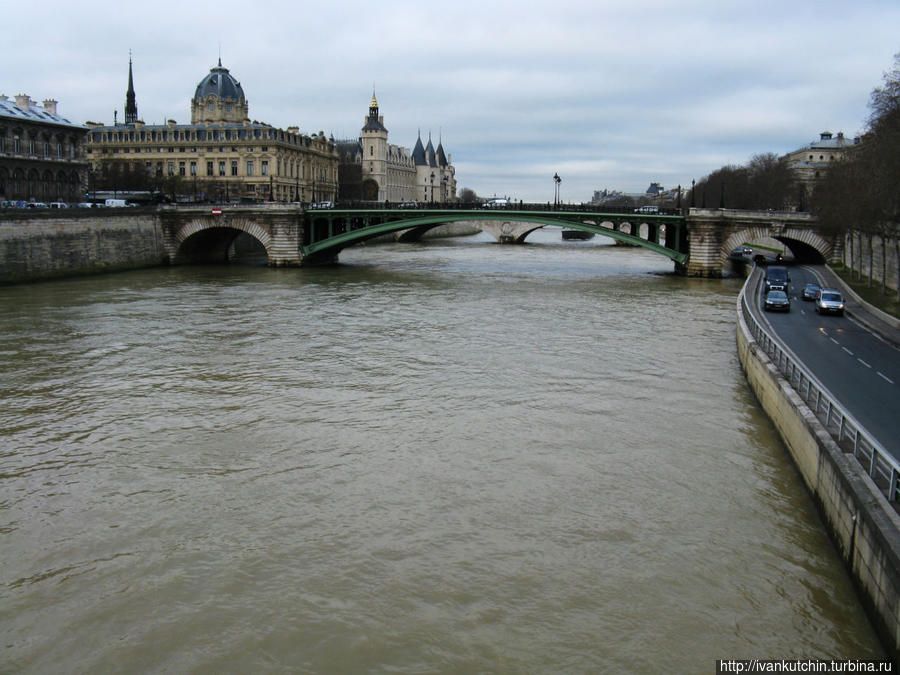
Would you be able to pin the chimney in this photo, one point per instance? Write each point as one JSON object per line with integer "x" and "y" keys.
{"x": 50, "y": 106}
{"x": 24, "y": 102}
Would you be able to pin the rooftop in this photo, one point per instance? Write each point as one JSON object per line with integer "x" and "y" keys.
{"x": 23, "y": 108}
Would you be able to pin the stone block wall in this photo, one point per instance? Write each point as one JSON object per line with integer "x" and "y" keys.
{"x": 38, "y": 246}
{"x": 872, "y": 256}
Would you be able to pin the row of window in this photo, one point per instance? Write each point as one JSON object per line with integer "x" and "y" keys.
{"x": 230, "y": 167}
{"x": 221, "y": 168}
{"x": 172, "y": 149}
{"x": 154, "y": 135}
{"x": 43, "y": 186}
{"x": 35, "y": 148}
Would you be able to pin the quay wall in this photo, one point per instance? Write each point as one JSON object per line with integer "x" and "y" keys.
{"x": 873, "y": 256}
{"x": 47, "y": 246}
{"x": 863, "y": 525}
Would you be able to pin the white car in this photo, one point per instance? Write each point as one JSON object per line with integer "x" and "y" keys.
{"x": 830, "y": 301}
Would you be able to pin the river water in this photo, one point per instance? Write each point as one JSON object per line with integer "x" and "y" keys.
{"x": 448, "y": 457}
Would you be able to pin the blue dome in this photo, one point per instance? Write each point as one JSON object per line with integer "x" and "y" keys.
{"x": 221, "y": 84}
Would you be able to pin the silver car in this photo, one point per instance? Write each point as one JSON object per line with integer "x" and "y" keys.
{"x": 830, "y": 302}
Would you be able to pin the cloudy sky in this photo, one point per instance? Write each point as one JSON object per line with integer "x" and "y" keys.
{"x": 608, "y": 93}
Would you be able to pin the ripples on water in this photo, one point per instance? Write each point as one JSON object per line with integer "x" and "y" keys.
{"x": 446, "y": 457}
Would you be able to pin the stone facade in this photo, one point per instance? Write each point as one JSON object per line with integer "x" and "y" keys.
{"x": 42, "y": 155}
{"x": 391, "y": 173}
{"x": 810, "y": 162}
{"x": 221, "y": 155}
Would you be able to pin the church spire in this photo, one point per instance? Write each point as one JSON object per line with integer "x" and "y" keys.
{"x": 130, "y": 103}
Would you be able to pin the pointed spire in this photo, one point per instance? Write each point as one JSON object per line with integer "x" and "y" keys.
{"x": 130, "y": 102}
{"x": 429, "y": 152}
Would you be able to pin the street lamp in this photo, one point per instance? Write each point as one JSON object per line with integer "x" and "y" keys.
{"x": 557, "y": 180}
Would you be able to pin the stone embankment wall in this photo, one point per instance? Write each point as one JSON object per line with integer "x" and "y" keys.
{"x": 872, "y": 256}
{"x": 35, "y": 246}
{"x": 863, "y": 526}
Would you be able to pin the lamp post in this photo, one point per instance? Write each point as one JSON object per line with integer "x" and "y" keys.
{"x": 557, "y": 180}
{"x": 432, "y": 186}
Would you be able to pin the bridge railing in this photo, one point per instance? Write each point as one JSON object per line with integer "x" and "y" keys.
{"x": 850, "y": 435}
{"x": 512, "y": 206}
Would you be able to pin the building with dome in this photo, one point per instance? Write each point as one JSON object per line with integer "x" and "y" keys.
{"x": 220, "y": 156}
{"x": 375, "y": 170}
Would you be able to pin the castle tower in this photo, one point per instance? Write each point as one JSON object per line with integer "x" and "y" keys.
{"x": 131, "y": 114}
{"x": 373, "y": 140}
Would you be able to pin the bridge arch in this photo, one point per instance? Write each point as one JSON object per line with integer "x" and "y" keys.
{"x": 806, "y": 245}
{"x": 212, "y": 239}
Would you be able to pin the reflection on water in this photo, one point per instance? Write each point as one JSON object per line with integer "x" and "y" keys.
{"x": 450, "y": 456}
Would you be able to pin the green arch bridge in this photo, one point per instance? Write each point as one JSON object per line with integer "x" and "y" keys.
{"x": 327, "y": 232}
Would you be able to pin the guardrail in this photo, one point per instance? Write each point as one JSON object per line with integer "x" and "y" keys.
{"x": 850, "y": 435}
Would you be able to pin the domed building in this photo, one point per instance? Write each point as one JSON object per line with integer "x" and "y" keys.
{"x": 219, "y": 98}
{"x": 220, "y": 156}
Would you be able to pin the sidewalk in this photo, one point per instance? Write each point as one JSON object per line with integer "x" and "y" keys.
{"x": 873, "y": 318}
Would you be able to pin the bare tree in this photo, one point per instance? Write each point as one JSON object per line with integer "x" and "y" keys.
{"x": 468, "y": 196}
{"x": 860, "y": 195}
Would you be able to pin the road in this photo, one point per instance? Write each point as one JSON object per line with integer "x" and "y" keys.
{"x": 860, "y": 369}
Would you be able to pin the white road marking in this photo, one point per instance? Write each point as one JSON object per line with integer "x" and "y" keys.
{"x": 863, "y": 362}
{"x": 882, "y": 375}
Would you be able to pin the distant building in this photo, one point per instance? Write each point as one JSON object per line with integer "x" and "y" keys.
{"x": 220, "y": 155}
{"x": 372, "y": 169}
{"x": 42, "y": 155}
{"x": 810, "y": 162}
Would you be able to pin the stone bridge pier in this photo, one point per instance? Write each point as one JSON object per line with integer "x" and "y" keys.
{"x": 206, "y": 233}
{"x": 508, "y": 231}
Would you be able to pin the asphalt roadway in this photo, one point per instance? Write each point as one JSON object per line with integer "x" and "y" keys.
{"x": 858, "y": 366}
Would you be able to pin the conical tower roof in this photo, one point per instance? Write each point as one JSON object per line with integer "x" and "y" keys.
{"x": 429, "y": 153}
{"x": 418, "y": 153}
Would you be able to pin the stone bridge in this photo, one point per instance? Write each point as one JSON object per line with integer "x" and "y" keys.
{"x": 713, "y": 233}
{"x": 698, "y": 243}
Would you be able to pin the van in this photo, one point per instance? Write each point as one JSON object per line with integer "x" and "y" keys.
{"x": 115, "y": 202}
{"x": 497, "y": 203}
{"x": 58, "y": 205}
{"x": 777, "y": 279}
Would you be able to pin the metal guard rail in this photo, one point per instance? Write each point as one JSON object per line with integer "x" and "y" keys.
{"x": 883, "y": 469}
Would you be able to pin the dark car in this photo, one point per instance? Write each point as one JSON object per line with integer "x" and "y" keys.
{"x": 777, "y": 301}
{"x": 811, "y": 291}
{"x": 777, "y": 279}
{"x": 830, "y": 302}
